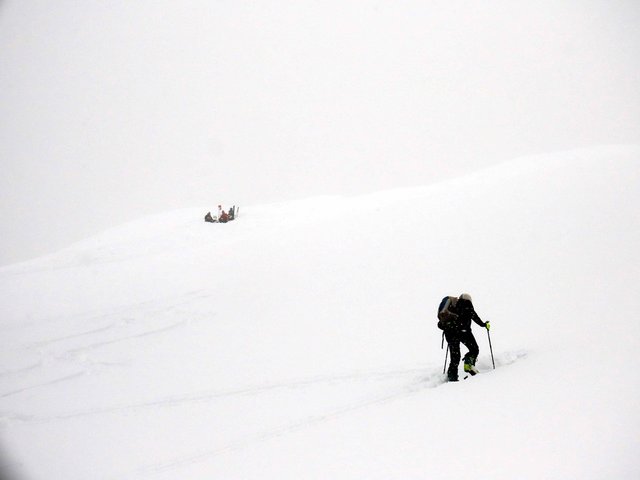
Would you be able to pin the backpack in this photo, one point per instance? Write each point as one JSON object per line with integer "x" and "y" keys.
{"x": 447, "y": 317}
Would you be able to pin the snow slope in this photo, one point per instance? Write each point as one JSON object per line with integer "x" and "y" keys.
{"x": 299, "y": 342}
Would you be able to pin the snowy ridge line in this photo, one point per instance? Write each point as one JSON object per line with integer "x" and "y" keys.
{"x": 207, "y": 395}
{"x": 431, "y": 381}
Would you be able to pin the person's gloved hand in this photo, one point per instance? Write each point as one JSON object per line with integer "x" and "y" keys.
{"x": 487, "y": 325}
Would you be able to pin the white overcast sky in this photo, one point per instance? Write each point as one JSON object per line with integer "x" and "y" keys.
{"x": 111, "y": 110}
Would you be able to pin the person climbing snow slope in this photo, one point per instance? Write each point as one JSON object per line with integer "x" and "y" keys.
{"x": 454, "y": 319}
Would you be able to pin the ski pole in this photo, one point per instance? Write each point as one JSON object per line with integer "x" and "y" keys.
{"x": 491, "y": 349}
{"x": 446, "y": 353}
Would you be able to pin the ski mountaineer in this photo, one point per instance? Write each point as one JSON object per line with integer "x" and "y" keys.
{"x": 454, "y": 319}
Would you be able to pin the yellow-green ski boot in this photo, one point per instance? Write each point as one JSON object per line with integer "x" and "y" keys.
{"x": 470, "y": 369}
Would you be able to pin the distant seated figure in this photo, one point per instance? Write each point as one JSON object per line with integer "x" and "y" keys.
{"x": 209, "y": 218}
{"x": 231, "y": 213}
{"x": 224, "y": 217}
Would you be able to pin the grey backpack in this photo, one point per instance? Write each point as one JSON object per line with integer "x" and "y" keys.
{"x": 447, "y": 318}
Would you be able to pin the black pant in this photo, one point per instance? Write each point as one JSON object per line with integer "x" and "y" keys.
{"x": 454, "y": 338}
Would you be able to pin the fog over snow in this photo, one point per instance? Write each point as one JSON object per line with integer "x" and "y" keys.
{"x": 110, "y": 111}
{"x": 383, "y": 155}
{"x": 300, "y": 342}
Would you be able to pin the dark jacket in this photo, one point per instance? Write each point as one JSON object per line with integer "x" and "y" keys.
{"x": 465, "y": 315}
{"x": 458, "y": 316}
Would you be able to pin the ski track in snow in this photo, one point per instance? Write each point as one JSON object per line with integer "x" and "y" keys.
{"x": 18, "y": 371}
{"x": 45, "y": 343}
{"x": 123, "y": 318}
{"x": 44, "y": 384}
{"x": 506, "y": 358}
{"x": 128, "y": 337}
{"x": 69, "y": 353}
{"x": 144, "y": 309}
{"x": 84, "y": 317}
{"x": 211, "y": 395}
{"x": 432, "y": 379}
